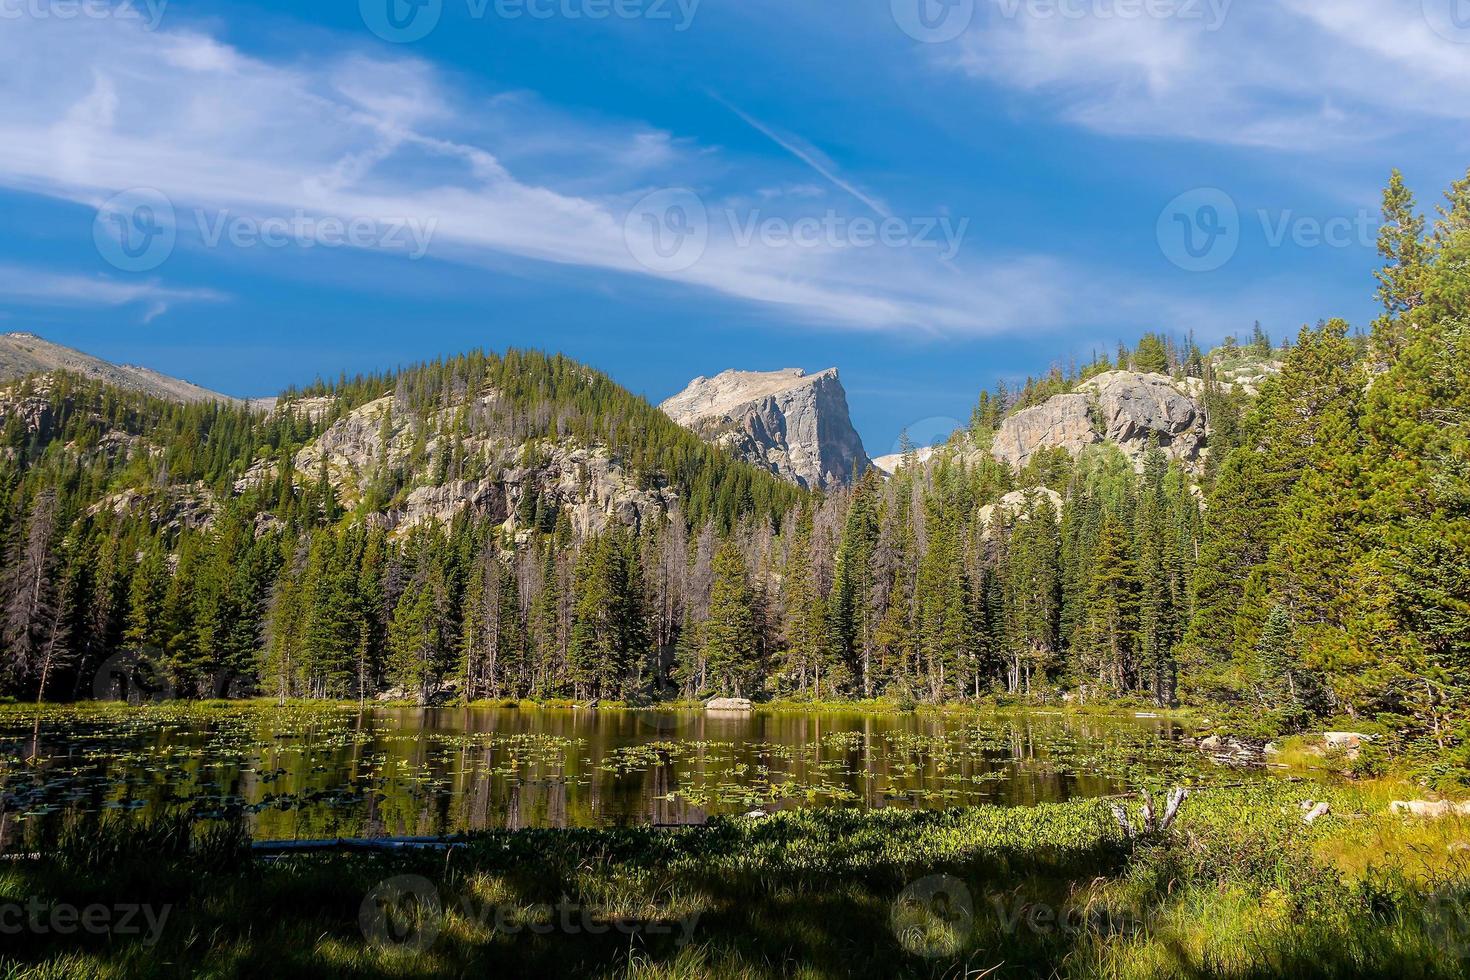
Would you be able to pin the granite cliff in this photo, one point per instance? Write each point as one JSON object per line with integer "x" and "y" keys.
{"x": 791, "y": 423}
{"x": 1132, "y": 409}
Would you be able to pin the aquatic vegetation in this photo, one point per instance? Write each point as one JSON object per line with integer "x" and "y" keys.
{"x": 308, "y": 769}
{"x": 1241, "y": 886}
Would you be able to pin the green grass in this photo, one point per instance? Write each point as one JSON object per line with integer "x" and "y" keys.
{"x": 1241, "y": 887}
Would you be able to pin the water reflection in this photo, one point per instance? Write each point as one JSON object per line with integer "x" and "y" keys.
{"x": 411, "y": 771}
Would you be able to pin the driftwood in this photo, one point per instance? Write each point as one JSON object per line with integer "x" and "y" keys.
{"x": 1151, "y": 824}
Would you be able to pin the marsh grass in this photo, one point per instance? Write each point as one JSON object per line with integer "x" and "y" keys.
{"x": 1240, "y": 888}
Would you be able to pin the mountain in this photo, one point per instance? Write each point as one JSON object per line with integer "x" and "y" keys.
{"x": 791, "y": 423}
{"x": 521, "y": 440}
{"x": 24, "y": 354}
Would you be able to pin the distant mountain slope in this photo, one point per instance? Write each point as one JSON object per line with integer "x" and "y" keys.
{"x": 891, "y": 463}
{"x": 25, "y": 353}
{"x": 520, "y": 439}
{"x": 791, "y": 423}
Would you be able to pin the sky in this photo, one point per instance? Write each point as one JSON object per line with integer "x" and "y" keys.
{"x": 930, "y": 195}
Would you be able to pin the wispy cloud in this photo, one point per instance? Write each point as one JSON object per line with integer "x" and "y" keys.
{"x": 353, "y": 136}
{"x": 1283, "y": 74}
{"x": 40, "y": 288}
{"x": 810, "y": 156}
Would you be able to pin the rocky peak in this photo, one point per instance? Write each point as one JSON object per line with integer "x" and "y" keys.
{"x": 792, "y": 423}
{"x": 1129, "y": 408}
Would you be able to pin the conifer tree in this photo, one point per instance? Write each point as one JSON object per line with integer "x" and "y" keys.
{"x": 729, "y": 635}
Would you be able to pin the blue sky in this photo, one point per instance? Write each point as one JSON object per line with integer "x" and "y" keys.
{"x": 929, "y": 194}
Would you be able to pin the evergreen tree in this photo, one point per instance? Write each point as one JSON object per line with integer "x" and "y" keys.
{"x": 730, "y": 641}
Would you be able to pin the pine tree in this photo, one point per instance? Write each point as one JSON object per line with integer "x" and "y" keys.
{"x": 729, "y": 636}
{"x": 1110, "y": 631}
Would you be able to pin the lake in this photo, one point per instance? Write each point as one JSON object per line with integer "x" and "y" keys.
{"x": 304, "y": 771}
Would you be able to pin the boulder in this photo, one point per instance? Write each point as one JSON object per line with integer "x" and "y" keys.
{"x": 1134, "y": 409}
{"x": 728, "y": 704}
{"x": 1345, "y": 740}
{"x": 791, "y": 423}
{"x": 1349, "y": 744}
{"x": 1231, "y": 751}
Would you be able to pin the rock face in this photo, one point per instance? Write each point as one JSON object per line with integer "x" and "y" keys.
{"x": 498, "y": 479}
{"x": 1063, "y": 422}
{"x": 794, "y": 424}
{"x": 25, "y": 353}
{"x": 1124, "y": 407}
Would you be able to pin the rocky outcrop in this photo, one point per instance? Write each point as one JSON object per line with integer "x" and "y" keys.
{"x": 23, "y": 354}
{"x": 1019, "y": 503}
{"x": 1063, "y": 422}
{"x": 728, "y": 704}
{"x": 1130, "y": 409}
{"x": 498, "y": 480}
{"x": 1134, "y": 409}
{"x": 794, "y": 424}
{"x": 169, "y": 509}
{"x": 1429, "y": 808}
{"x": 29, "y": 405}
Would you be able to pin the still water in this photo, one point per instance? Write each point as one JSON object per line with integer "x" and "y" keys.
{"x": 316, "y": 771}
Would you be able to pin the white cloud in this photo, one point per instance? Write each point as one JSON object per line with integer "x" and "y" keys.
{"x": 1283, "y": 74}
{"x": 349, "y": 136}
{"x": 37, "y": 287}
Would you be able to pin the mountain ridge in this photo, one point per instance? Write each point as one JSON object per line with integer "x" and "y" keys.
{"x": 23, "y": 353}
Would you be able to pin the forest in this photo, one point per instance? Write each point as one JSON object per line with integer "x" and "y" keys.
{"x": 1316, "y": 566}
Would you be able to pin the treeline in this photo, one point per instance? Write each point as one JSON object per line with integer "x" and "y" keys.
{"x": 1318, "y": 564}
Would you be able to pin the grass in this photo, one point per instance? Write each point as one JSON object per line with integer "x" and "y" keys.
{"x": 1240, "y": 887}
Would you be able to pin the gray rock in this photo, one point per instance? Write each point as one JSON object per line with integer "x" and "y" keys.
{"x": 893, "y": 462}
{"x": 1063, "y": 422}
{"x": 1128, "y": 408}
{"x": 794, "y": 424}
{"x": 595, "y": 491}
{"x": 1018, "y": 503}
{"x": 1133, "y": 408}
